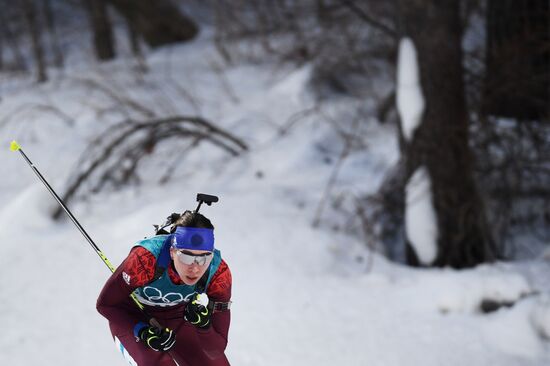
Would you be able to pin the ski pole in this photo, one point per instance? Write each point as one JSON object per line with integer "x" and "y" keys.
{"x": 16, "y": 147}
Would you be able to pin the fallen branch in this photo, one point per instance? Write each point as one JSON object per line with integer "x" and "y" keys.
{"x": 114, "y": 156}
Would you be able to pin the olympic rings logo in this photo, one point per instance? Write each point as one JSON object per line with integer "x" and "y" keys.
{"x": 172, "y": 298}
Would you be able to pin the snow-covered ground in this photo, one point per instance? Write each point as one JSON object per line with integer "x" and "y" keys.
{"x": 300, "y": 296}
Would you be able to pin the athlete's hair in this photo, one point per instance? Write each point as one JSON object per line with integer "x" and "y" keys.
{"x": 191, "y": 219}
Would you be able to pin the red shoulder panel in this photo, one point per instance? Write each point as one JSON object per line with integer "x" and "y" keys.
{"x": 139, "y": 267}
{"x": 220, "y": 285}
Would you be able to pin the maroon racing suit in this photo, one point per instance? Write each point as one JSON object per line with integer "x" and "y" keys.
{"x": 194, "y": 346}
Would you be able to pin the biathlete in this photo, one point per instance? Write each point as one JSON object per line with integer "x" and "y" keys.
{"x": 182, "y": 281}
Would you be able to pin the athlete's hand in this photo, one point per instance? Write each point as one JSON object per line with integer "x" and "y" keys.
{"x": 157, "y": 339}
{"x": 197, "y": 311}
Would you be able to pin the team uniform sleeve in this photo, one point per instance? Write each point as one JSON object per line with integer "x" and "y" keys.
{"x": 114, "y": 301}
{"x": 214, "y": 339}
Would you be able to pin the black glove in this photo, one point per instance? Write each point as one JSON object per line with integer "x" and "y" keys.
{"x": 197, "y": 311}
{"x": 157, "y": 339}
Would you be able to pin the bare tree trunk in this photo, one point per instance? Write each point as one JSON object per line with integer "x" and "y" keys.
{"x": 135, "y": 46}
{"x": 1, "y": 52}
{"x": 104, "y": 44}
{"x": 133, "y": 36}
{"x": 31, "y": 18}
{"x": 54, "y": 40}
{"x": 11, "y": 41}
{"x": 159, "y": 22}
{"x": 220, "y": 19}
{"x": 441, "y": 141}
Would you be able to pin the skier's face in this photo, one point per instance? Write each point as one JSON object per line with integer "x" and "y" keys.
{"x": 191, "y": 273}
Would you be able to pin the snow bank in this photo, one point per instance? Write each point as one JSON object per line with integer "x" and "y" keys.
{"x": 449, "y": 291}
{"x": 510, "y": 331}
{"x": 465, "y": 292}
{"x": 30, "y": 207}
{"x": 540, "y": 316}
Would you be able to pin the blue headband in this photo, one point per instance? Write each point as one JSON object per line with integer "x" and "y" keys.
{"x": 193, "y": 238}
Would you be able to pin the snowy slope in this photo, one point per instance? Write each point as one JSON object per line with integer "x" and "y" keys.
{"x": 299, "y": 299}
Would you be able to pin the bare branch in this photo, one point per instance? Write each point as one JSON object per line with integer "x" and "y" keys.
{"x": 114, "y": 156}
{"x": 368, "y": 19}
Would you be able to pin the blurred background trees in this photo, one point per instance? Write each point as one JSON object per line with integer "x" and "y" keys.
{"x": 485, "y": 73}
{"x": 45, "y": 24}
